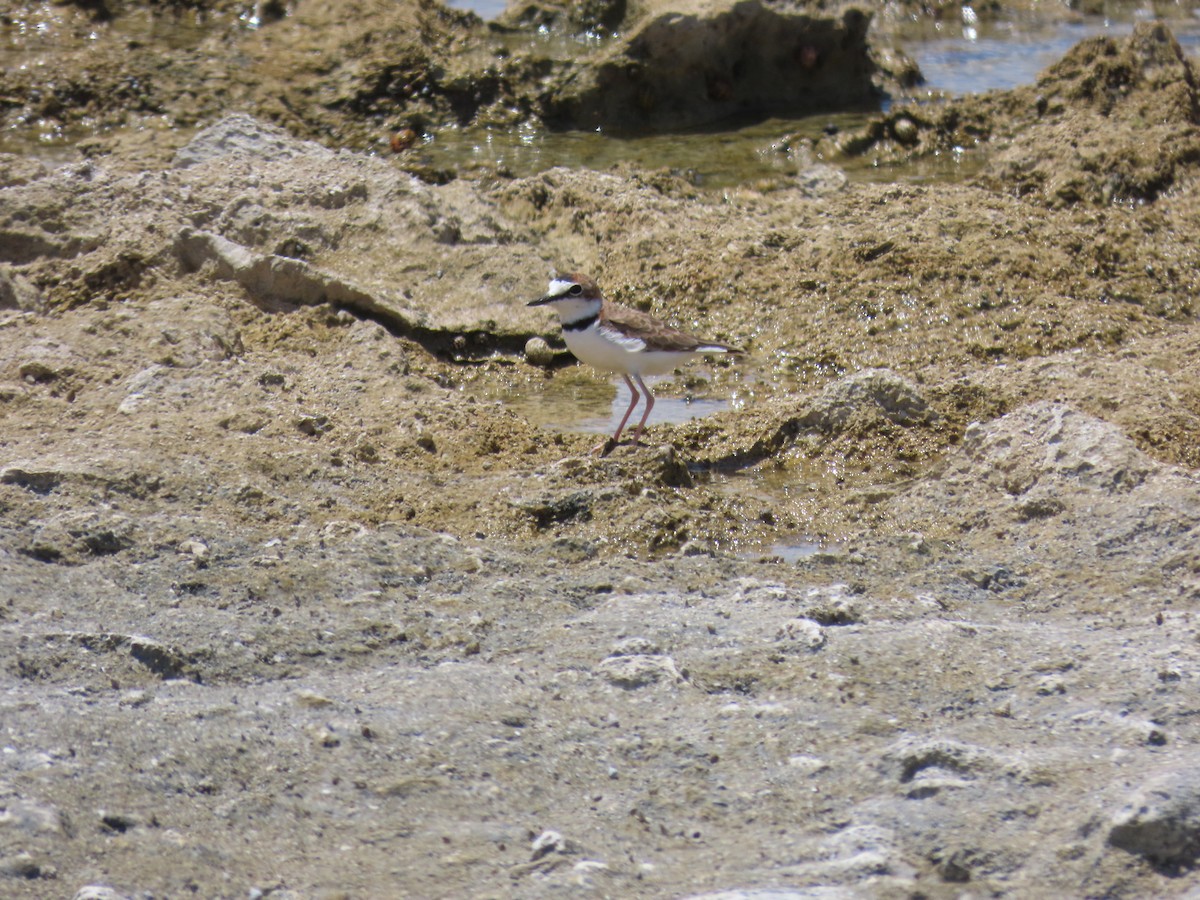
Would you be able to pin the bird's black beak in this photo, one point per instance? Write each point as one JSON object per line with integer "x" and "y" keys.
{"x": 541, "y": 301}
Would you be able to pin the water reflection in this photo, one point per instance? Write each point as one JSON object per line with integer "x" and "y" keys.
{"x": 590, "y": 405}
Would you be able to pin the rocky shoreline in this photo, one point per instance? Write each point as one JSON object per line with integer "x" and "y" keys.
{"x": 293, "y": 605}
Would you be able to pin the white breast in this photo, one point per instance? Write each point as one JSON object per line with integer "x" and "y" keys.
{"x": 611, "y": 351}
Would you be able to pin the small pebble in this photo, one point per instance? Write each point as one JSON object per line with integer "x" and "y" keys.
{"x": 403, "y": 139}
{"x": 547, "y": 842}
{"x": 312, "y": 699}
{"x": 905, "y": 130}
{"x": 197, "y": 549}
{"x": 538, "y": 352}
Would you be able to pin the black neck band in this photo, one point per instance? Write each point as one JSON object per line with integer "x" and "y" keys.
{"x": 581, "y": 324}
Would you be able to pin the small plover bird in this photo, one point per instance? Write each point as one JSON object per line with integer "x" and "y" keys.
{"x": 614, "y": 338}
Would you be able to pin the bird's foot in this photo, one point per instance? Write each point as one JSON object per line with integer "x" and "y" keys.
{"x": 612, "y": 444}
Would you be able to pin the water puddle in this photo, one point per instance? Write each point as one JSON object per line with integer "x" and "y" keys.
{"x": 800, "y": 547}
{"x": 974, "y": 55}
{"x": 709, "y": 158}
{"x": 795, "y": 494}
{"x": 574, "y": 402}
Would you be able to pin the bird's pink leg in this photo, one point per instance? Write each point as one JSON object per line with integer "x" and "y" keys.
{"x": 637, "y": 432}
{"x": 603, "y": 449}
{"x": 634, "y": 396}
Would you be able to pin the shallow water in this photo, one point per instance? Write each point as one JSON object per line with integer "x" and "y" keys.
{"x": 711, "y": 159}
{"x": 579, "y": 402}
{"x": 795, "y": 549}
{"x": 970, "y": 56}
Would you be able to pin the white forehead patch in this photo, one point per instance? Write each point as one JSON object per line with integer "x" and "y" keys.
{"x": 559, "y": 287}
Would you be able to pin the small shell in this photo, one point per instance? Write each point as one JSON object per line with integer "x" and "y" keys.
{"x": 403, "y": 139}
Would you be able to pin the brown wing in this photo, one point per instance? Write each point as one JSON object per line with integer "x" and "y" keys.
{"x": 657, "y": 334}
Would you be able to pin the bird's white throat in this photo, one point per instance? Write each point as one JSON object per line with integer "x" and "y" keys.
{"x": 577, "y": 309}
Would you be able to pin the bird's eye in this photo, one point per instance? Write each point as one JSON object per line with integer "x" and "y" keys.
{"x": 575, "y": 290}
